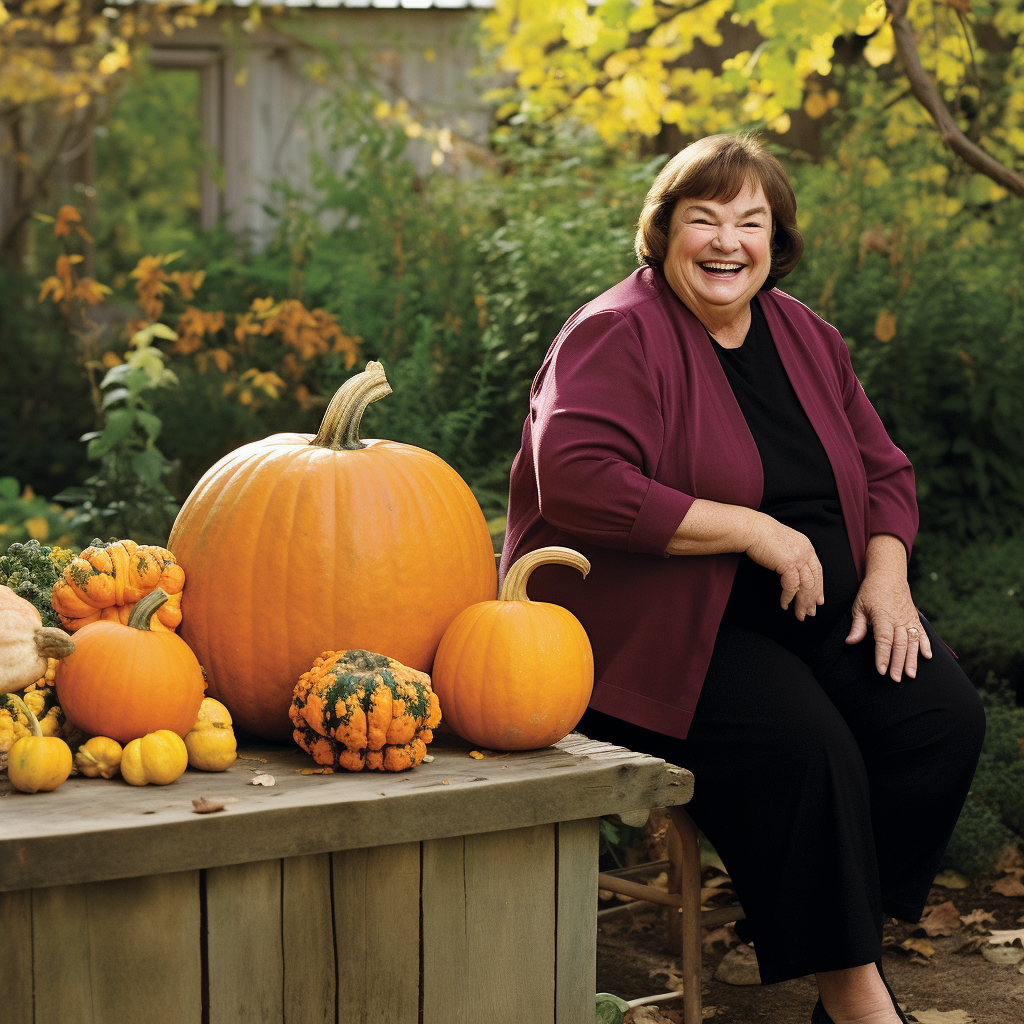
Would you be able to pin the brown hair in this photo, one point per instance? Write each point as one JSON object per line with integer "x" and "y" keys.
{"x": 717, "y": 167}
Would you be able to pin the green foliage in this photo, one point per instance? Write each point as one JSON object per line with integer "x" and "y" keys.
{"x": 31, "y": 570}
{"x": 973, "y": 595}
{"x": 24, "y": 515}
{"x": 994, "y": 813}
{"x": 127, "y": 496}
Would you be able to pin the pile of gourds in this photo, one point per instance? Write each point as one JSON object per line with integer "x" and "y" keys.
{"x": 317, "y": 580}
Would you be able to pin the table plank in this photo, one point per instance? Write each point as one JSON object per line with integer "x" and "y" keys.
{"x": 93, "y": 829}
{"x": 244, "y": 944}
{"x": 307, "y": 936}
{"x": 16, "y": 956}
{"x": 488, "y": 932}
{"x": 576, "y": 922}
{"x": 376, "y": 912}
{"x": 84, "y": 935}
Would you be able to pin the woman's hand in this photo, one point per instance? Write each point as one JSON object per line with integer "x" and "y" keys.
{"x": 789, "y": 553}
{"x": 884, "y": 602}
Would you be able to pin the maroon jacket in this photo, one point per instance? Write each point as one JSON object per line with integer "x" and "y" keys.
{"x": 631, "y": 419}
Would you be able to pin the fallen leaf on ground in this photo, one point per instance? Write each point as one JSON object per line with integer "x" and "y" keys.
{"x": 951, "y": 880}
{"x": 1006, "y": 938}
{"x": 978, "y": 917}
{"x": 674, "y": 982}
{"x": 714, "y": 883}
{"x": 1004, "y": 956}
{"x": 263, "y": 780}
{"x": 941, "y": 919}
{"x": 206, "y": 806}
{"x": 970, "y": 945}
{"x": 1008, "y": 886}
{"x": 726, "y": 934}
{"x": 739, "y": 967}
{"x": 707, "y": 1012}
{"x": 922, "y": 946}
{"x": 941, "y": 1017}
{"x": 327, "y": 770}
{"x": 646, "y": 1015}
{"x": 1011, "y": 857}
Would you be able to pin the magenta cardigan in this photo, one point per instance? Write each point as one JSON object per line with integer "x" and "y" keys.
{"x": 631, "y": 419}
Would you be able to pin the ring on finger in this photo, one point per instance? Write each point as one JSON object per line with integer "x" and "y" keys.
{"x": 914, "y": 633}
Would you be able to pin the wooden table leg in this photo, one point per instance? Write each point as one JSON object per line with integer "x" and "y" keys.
{"x": 689, "y": 927}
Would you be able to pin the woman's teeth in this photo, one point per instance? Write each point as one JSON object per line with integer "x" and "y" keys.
{"x": 722, "y": 268}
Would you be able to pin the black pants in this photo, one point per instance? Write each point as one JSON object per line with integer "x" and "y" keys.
{"x": 829, "y": 791}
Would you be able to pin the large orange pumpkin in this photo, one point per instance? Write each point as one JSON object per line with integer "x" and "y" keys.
{"x": 296, "y": 544}
{"x": 126, "y": 681}
{"x": 516, "y": 674}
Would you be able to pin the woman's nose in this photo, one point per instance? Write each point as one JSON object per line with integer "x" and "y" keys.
{"x": 726, "y": 238}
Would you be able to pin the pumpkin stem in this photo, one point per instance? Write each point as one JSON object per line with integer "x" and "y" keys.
{"x": 514, "y": 587}
{"x": 33, "y": 722}
{"x": 53, "y": 643}
{"x": 339, "y": 429}
{"x": 146, "y": 608}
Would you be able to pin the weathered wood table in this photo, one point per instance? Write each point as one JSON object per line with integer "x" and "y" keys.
{"x": 461, "y": 892}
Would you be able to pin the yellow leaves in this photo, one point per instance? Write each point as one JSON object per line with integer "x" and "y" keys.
{"x": 885, "y": 326}
{"x": 116, "y": 59}
{"x": 881, "y": 47}
{"x": 872, "y": 18}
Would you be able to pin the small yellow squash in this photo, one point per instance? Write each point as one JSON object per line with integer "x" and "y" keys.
{"x": 159, "y": 757}
{"x": 37, "y": 762}
{"x": 211, "y": 742}
{"x": 99, "y": 755}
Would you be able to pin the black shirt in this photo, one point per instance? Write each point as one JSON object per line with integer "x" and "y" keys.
{"x": 799, "y": 487}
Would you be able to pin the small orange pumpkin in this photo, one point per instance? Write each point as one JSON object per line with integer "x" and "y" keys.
{"x": 106, "y": 580}
{"x": 127, "y": 681}
{"x": 516, "y": 674}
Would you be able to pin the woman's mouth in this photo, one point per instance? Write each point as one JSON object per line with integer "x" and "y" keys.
{"x": 716, "y": 269}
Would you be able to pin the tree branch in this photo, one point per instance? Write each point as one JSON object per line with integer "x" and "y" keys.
{"x": 928, "y": 96}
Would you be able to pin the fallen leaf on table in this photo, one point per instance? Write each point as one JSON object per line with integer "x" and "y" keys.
{"x": 940, "y": 919}
{"x": 328, "y": 770}
{"x": 242, "y": 757}
{"x": 263, "y": 780}
{"x": 950, "y": 880}
{"x": 476, "y": 755}
{"x": 978, "y": 917}
{"x": 922, "y": 946}
{"x": 941, "y": 1017}
{"x": 428, "y": 758}
{"x": 1006, "y": 938}
{"x": 206, "y": 806}
{"x": 445, "y": 782}
{"x": 1008, "y": 886}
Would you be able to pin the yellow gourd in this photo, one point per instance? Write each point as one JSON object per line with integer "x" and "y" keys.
{"x": 211, "y": 742}
{"x": 37, "y": 763}
{"x": 159, "y": 757}
{"x": 99, "y": 755}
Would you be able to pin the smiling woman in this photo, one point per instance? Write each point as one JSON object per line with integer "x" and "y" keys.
{"x": 701, "y": 438}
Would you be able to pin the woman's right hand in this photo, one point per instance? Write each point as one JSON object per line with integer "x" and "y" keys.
{"x": 789, "y": 553}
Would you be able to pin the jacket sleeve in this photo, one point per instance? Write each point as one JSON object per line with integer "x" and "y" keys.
{"x": 892, "y": 496}
{"x": 597, "y": 438}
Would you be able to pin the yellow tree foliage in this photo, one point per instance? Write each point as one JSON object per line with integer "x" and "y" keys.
{"x": 626, "y": 66}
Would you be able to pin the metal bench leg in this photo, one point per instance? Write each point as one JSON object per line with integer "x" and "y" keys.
{"x": 688, "y": 874}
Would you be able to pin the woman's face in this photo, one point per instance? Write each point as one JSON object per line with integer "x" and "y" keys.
{"x": 719, "y": 254}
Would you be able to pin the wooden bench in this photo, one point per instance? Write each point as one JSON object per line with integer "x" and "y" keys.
{"x": 461, "y": 892}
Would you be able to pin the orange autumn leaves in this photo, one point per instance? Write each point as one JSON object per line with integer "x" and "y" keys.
{"x": 212, "y": 339}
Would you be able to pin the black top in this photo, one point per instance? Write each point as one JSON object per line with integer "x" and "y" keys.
{"x": 799, "y": 486}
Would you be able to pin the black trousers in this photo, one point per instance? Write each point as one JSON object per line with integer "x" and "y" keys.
{"x": 829, "y": 792}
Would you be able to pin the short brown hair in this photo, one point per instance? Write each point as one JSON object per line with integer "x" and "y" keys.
{"x": 717, "y": 167}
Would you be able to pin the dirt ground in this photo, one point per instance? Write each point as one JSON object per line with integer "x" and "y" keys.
{"x": 632, "y": 961}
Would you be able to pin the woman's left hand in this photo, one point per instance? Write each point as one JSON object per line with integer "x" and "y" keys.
{"x": 884, "y": 602}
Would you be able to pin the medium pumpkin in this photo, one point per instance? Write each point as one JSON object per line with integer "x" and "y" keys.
{"x": 516, "y": 674}
{"x": 126, "y": 681}
{"x": 295, "y": 544}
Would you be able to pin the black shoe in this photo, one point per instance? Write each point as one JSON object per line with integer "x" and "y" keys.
{"x": 819, "y": 1015}
{"x": 892, "y": 995}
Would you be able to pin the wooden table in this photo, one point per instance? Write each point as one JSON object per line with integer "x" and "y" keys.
{"x": 462, "y": 891}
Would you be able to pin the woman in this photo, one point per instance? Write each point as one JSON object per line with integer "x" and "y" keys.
{"x": 701, "y": 437}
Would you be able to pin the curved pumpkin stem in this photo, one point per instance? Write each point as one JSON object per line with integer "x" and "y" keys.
{"x": 146, "y": 608}
{"x": 53, "y": 643}
{"x": 339, "y": 429}
{"x": 33, "y": 722}
{"x": 514, "y": 587}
